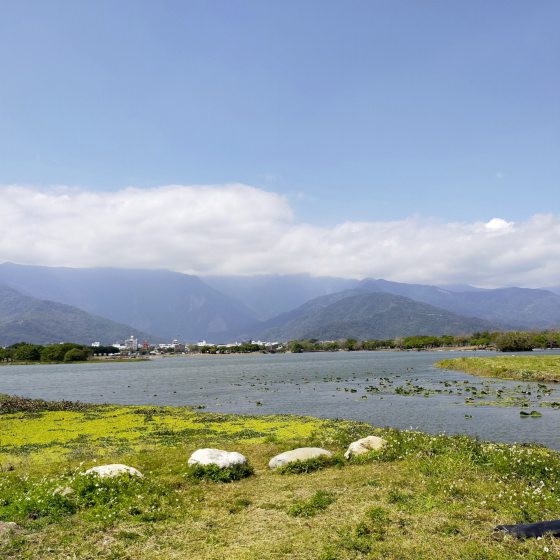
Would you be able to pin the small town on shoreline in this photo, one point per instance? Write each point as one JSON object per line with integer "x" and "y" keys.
{"x": 501, "y": 341}
{"x": 131, "y": 348}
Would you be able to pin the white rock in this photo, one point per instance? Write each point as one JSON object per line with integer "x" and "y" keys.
{"x": 110, "y": 471}
{"x": 364, "y": 445}
{"x": 300, "y": 454}
{"x": 219, "y": 457}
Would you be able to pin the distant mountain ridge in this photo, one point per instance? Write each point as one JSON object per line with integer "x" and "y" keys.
{"x": 270, "y": 295}
{"x": 362, "y": 315}
{"x": 518, "y": 307}
{"x": 167, "y": 304}
{"x": 553, "y": 289}
{"x": 24, "y": 318}
{"x": 521, "y": 307}
{"x": 502, "y": 308}
{"x": 173, "y": 305}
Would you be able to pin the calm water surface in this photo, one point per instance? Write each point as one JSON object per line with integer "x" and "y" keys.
{"x": 331, "y": 385}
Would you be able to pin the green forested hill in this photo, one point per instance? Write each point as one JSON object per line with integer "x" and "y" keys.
{"x": 367, "y": 316}
{"x": 23, "y": 318}
{"x": 520, "y": 307}
{"x": 168, "y": 304}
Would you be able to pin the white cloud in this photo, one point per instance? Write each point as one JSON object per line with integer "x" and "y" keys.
{"x": 497, "y": 225}
{"x": 237, "y": 229}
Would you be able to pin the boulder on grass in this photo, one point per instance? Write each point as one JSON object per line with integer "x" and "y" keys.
{"x": 219, "y": 457}
{"x": 110, "y": 471}
{"x": 364, "y": 445}
{"x": 300, "y": 454}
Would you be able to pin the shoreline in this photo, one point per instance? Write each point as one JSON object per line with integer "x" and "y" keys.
{"x": 212, "y": 355}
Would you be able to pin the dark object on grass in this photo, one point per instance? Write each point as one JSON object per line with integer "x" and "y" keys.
{"x": 532, "y": 529}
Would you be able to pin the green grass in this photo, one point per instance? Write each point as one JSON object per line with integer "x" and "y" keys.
{"x": 217, "y": 474}
{"x": 521, "y": 368}
{"x": 306, "y": 466}
{"x": 420, "y": 497}
{"x": 320, "y": 501}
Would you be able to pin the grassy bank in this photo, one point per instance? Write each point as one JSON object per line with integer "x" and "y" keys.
{"x": 421, "y": 497}
{"x": 521, "y": 368}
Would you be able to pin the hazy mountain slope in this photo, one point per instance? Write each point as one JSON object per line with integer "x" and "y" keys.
{"x": 351, "y": 314}
{"x": 270, "y": 295}
{"x": 168, "y": 304}
{"x": 553, "y": 289}
{"x": 460, "y": 288}
{"x": 524, "y": 307}
{"x": 307, "y": 309}
{"x": 24, "y": 318}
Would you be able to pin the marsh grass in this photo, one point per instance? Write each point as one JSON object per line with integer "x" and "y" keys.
{"x": 521, "y": 368}
{"x": 420, "y": 497}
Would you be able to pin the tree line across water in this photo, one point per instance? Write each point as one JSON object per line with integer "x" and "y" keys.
{"x": 502, "y": 341}
{"x": 52, "y": 353}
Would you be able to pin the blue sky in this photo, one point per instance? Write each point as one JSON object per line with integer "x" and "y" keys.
{"x": 354, "y": 110}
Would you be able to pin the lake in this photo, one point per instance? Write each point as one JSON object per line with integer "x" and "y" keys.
{"x": 398, "y": 389}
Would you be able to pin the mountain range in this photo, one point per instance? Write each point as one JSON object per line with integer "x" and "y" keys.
{"x": 521, "y": 307}
{"x": 365, "y": 316}
{"x": 25, "y": 318}
{"x": 270, "y": 295}
{"x": 166, "y": 304}
{"x": 161, "y": 304}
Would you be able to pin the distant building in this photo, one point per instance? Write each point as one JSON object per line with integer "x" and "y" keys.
{"x": 131, "y": 344}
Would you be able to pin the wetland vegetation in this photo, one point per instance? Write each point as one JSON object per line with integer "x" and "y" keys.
{"x": 397, "y": 389}
{"x": 522, "y": 368}
{"x": 419, "y": 495}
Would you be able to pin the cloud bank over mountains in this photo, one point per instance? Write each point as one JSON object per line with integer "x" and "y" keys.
{"x": 239, "y": 229}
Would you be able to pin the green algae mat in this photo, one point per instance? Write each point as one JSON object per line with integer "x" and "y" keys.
{"x": 421, "y": 497}
{"x": 82, "y": 430}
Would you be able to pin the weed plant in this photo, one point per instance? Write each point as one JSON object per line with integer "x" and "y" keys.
{"x": 215, "y": 473}
{"x": 320, "y": 501}
{"x": 311, "y": 465}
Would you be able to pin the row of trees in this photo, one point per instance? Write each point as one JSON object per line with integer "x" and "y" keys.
{"x": 244, "y": 348}
{"x": 501, "y": 341}
{"x": 53, "y": 353}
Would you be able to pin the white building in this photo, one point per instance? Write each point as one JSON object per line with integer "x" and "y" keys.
{"x": 131, "y": 344}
